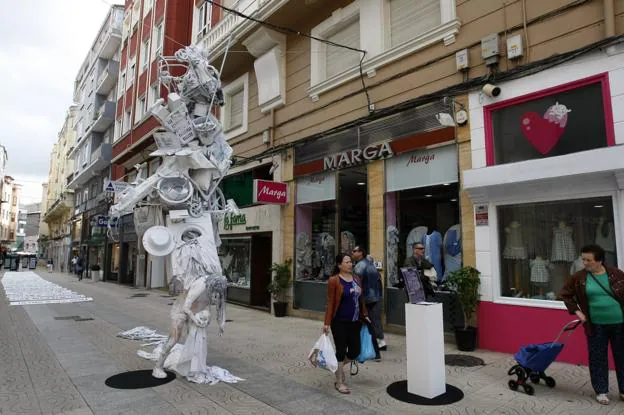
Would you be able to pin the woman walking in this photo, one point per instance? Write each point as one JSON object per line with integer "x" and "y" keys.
{"x": 596, "y": 295}
{"x": 343, "y": 311}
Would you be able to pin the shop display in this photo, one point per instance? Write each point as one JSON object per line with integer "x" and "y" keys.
{"x": 433, "y": 252}
{"x": 415, "y": 235}
{"x": 605, "y": 237}
{"x": 540, "y": 274}
{"x": 413, "y": 285}
{"x": 452, "y": 250}
{"x": 563, "y": 248}
{"x": 392, "y": 255}
{"x": 325, "y": 255}
{"x": 195, "y": 158}
{"x": 514, "y": 246}
{"x": 347, "y": 241}
{"x": 235, "y": 257}
{"x": 304, "y": 257}
{"x": 577, "y": 265}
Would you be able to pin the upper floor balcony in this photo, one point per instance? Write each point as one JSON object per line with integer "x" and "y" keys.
{"x": 63, "y": 204}
{"x": 109, "y": 38}
{"x": 215, "y": 41}
{"x": 98, "y": 160}
{"x": 108, "y": 78}
{"x": 104, "y": 117}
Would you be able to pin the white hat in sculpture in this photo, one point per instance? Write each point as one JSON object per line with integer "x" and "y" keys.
{"x": 159, "y": 241}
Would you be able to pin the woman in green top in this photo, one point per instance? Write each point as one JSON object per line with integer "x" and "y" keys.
{"x": 596, "y": 296}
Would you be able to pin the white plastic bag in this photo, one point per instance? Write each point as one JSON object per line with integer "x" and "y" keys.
{"x": 323, "y": 355}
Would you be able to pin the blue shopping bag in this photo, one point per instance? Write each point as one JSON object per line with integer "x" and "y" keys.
{"x": 367, "y": 350}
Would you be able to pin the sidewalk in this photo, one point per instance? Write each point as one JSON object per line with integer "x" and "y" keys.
{"x": 59, "y": 366}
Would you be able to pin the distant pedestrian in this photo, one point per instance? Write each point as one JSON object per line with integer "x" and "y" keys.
{"x": 596, "y": 295}
{"x": 79, "y": 267}
{"x": 50, "y": 265}
{"x": 372, "y": 291}
{"x": 344, "y": 309}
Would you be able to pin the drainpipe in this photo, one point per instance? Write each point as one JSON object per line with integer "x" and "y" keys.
{"x": 609, "y": 17}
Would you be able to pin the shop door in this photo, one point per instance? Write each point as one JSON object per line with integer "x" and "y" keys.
{"x": 261, "y": 256}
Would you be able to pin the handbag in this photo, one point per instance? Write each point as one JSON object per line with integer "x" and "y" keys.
{"x": 605, "y": 290}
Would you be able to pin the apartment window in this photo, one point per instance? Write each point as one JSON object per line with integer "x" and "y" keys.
{"x": 204, "y": 18}
{"x": 342, "y": 28}
{"x": 147, "y": 6}
{"x": 118, "y": 129}
{"x": 154, "y": 93}
{"x": 234, "y": 112}
{"x": 410, "y": 19}
{"x": 126, "y": 120}
{"x": 122, "y": 83}
{"x": 131, "y": 71}
{"x": 144, "y": 54}
{"x": 157, "y": 39}
{"x": 141, "y": 108}
{"x": 14, "y": 200}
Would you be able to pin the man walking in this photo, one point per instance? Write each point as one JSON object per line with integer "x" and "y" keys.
{"x": 371, "y": 287}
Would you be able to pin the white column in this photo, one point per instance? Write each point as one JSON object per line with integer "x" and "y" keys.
{"x": 426, "y": 374}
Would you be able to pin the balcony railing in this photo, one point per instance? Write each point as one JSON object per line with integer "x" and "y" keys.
{"x": 99, "y": 159}
{"x": 222, "y": 30}
{"x": 108, "y": 78}
{"x": 104, "y": 117}
{"x": 109, "y": 38}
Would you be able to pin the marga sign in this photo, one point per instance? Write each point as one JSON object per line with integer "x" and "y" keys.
{"x": 357, "y": 156}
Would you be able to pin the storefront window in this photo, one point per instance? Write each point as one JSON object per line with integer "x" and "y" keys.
{"x": 115, "y": 259}
{"x": 540, "y": 243}
{"x": 567, "y": 120}
{"x": 235, "y": 256}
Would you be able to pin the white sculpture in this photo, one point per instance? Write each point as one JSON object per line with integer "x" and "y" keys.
{"x": 195, "y": 158}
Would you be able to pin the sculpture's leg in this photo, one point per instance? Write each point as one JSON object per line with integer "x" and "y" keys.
{"x": 194, "y": 292}
{"x": 177, "y": 327}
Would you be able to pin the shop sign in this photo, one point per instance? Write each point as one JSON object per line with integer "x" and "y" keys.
{"x": 232, "y": 220}
{"x": 269, "y": 192}
{"x": 115, "y": 186}
{"x": 421, "y": 168}
{"x": 316, "y": 188}
{"x": 357, "y": 156}
{"x": 481, "y": 215}
{"x": 101, "y": 221}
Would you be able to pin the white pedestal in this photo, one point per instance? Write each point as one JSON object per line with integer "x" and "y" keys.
{"x": 424, "y": 329}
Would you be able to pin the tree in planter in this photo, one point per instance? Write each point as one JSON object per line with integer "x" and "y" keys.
{"x": 465, "y": 283}
{"x": 279, "y": 284}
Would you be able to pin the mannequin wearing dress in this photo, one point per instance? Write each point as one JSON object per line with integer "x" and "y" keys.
{"x": 540, "y": 275}
{"x": 515, "y": 251}
{"x": 452, "y": 250}
{"x": 563, "y": 253}
{"x": 433, "y": 252}
{"x": 392, "y": 255}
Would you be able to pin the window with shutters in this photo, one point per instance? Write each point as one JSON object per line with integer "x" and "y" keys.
{"x": 410, "y": 19}
{"x": 234, "y": 112}
{"x": 203, "y": 19}
{"x": 339, "y": 59}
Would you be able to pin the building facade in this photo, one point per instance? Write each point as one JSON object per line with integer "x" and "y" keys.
{"x": 373, "y": 146}
{"x": 59, "y": 198}
{"x": 31, "y": 228}
{"x": 9, "y": 213}
{"x": 96, "y": 96}
{"x": 151, "y": 28}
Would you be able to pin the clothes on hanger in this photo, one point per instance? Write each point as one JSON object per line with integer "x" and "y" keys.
{"x": 514, "y": 244}
{"x": 452, "y": 250}
{"x": 433, "y": 252}
{"x": 563, "y": 248}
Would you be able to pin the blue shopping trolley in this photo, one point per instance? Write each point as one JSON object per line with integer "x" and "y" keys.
{"x": 533, "y": 360}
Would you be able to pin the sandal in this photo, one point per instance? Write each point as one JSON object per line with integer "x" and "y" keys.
{"x": 342, "y": 388}
{"x": 602, "y": 399}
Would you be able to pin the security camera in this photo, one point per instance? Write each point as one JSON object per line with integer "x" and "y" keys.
{"x": 491, "y": 90}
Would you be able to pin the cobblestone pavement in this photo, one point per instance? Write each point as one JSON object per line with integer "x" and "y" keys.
{"x": 59, "y": 366}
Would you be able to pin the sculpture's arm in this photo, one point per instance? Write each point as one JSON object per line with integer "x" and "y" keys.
{"x": 195, "y": 290}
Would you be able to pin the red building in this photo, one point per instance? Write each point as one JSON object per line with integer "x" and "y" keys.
{"x": 150, "y": 28}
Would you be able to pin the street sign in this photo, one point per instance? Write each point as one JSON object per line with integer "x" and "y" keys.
{"x": 114, "y": 186}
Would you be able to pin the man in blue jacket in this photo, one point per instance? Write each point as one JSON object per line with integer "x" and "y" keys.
{"x": 371, "y": 289}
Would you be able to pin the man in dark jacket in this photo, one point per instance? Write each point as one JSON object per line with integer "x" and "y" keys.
{"x": 418, "y": 261}
{"x": 371, "y": 290}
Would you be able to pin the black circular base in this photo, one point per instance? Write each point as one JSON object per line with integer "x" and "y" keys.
{"x": 138, "y": 379}
{"x": 398, "y": 390}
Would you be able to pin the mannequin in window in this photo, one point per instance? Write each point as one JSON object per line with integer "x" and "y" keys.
{"x": 304, "y": 256}
{"x": 605, "y": 237}
{"x": 433, "y": 251}
{"x": 540, "y": 275}
{"x": 515, "y": 251}
{"x": 452, "y": 250}
{"x": 325, "y": 251}
{"x": 562, "y": 254}
{"x": 347, "y": 241}
{"x": 392, "y": 255}
{"x": 415, "y": 235}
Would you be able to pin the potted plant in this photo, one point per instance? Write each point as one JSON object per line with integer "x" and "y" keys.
{"x": 96, "y": 272}
{"x": 465, "y": 283}
{"x": 278, "y": 286}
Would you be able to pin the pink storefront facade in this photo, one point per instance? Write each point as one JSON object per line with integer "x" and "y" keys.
{"x": 547, "y": 177}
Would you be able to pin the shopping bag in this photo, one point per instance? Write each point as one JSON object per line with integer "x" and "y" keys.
{"x": 323, "y": 355}
{"x": 367, "y": 350}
